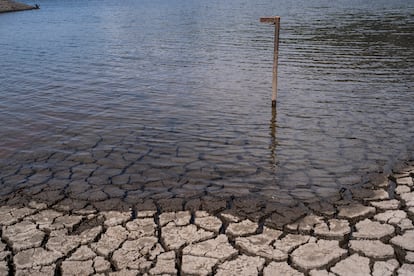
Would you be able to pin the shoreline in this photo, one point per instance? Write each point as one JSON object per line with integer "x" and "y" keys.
{"x": 371, "y": 233}
{"x": 12, "y": 6}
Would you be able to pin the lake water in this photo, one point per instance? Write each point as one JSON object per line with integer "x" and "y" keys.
{"x": 171, "y": 98}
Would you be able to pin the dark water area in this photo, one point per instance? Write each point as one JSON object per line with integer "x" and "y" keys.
{"x": 158, "y": 99}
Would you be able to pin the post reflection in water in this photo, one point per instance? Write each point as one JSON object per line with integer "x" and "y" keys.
{"x": 273, "y": 140}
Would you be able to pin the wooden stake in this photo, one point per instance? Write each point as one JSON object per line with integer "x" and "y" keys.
{"x": 276, "y": 21}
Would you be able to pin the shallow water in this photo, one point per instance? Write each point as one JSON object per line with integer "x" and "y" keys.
{"x": 165, "y": 98}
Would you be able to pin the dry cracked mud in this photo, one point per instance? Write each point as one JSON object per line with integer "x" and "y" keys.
{"x": 370, "y": 235}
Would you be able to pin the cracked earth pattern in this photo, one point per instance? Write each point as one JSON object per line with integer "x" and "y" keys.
{"x": 369, "y": 232}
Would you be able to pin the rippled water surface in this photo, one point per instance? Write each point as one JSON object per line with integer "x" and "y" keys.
{"x": 172, "y": 97}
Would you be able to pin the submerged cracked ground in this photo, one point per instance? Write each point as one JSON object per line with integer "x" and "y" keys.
{"x": 368, "y": 232}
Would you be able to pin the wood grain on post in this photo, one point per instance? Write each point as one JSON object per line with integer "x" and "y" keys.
{"x": 276, "y": 21}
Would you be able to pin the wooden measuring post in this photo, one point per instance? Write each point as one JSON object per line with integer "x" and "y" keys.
{"x": 276, "y": 21}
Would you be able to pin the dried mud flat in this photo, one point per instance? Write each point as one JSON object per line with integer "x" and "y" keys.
{"x": 368, "y": 231}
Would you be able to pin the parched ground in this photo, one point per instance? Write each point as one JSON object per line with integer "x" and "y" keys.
{"x": 10, "y": 6}
{"x": 370, "y": 233}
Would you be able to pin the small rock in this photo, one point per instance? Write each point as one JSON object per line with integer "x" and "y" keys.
{"x": 242, "y": 228}
{"x": 284, "y": 269}
{"x": 317, "y": 255}
{"x": 242, "y": 265}
{"x": 406, "y": 241}
{"x": 372, "y": 249}
{"x": 387, "y": 268}
{"x": 351, "y": 266}
{"x": 368, "y": 229}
